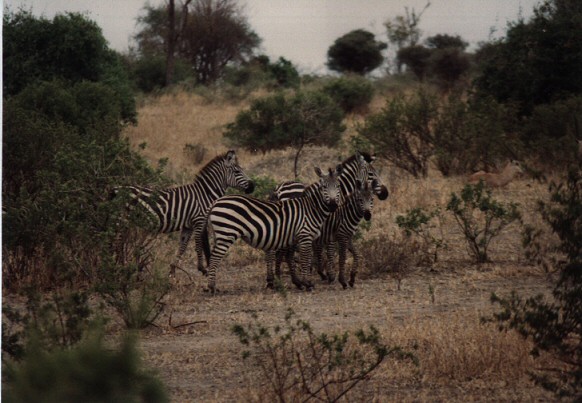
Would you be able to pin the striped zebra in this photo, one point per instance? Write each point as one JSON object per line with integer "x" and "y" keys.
{"x": 274, "y": 225}
{"x": 185, "y": 208}
{"x": 340, "y": 227}
{"x": 356, "y": 168}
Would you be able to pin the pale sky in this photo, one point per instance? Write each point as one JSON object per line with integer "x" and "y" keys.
{"x": 303, "y": 30}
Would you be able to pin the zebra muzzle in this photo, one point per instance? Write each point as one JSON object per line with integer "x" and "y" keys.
{"x": 250, "y": 187}
{"x": 367, "y": 215}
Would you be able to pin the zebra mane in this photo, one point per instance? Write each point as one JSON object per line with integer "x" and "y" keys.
{"x": 367, "y": 157}
{"x": 213, "y": 162}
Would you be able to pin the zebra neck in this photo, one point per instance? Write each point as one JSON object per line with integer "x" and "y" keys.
{"x": 315, "y": 201}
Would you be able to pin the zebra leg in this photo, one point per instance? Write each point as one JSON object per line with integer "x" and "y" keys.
{"x": 318, "y": 259}
{"x": 270, "y": 257}
{"x": 290, "y": 259}
{"x": 356, "y": 266}
{"x": 185, "y": 236}
{"x": 200, "y": 238}
{"x": 279, "y": 255}
{"x": 306, "y": 255}
{"x": 343, "y": 245}
{"x": 330, "y": 249}
{"x": 221, "y": 246}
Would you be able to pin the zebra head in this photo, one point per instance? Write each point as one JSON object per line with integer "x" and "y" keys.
{"x": 329, "y": 187}
{"x": 235, "y": 176}
{"x": 367, "y": 173}
{"x": 364, "y": 195}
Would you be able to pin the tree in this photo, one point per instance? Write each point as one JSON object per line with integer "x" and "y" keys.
{"x": 448, "y": 65}
{"x": 416, "y": 58}
{"x": 276, "y": 122}
{"x": 538, "y": 61}
{"x": 209, "y": 34}
{"x": 403, "y": 31}
{"x": 356, "y": 52}
{"x": 444, "y": 41}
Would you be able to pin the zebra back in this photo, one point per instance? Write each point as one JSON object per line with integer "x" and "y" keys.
{"x": 176, "y": 208}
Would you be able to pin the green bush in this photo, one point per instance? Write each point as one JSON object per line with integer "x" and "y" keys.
{"x": 89, "y": 372}
{"x": 555, "y": 326}
{"x": 352, "y": 94}
{"x": 402, "y": 132}
{"x": 276, "y": 122}
{"x": 297, "y": 364}
{"x": 417, "y": 221}
{"x": 284, "y": 73}
{"x": 480, "y": 218}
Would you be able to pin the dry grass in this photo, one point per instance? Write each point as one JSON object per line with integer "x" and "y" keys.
{"x": 436, "y": 314}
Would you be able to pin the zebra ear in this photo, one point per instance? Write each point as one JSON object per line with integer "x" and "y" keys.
{"x": 339, "y": 169}
{"x": 318, "y": 172}
{"x": 231, "y": 156}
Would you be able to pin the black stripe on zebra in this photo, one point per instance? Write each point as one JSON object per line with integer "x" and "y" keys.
{"x": 273, "y": 225}
{"x": 185, "y": 208}
{"x": 340, "y": 227}
{"x": 357, "y": 168}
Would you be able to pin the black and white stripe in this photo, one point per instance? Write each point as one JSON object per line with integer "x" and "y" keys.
{"x": 272, "y": 226}
{"x": 340, "y": 227}
{"x": 185, "y": 208}
{"x": 356, "y": 169}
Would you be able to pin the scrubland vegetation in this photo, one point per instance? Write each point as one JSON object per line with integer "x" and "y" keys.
{"x": 466, "y": 292}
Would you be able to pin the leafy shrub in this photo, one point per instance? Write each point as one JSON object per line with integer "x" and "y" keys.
{"x": 297, "y": 364}
{"x": 555, "y": 326}
{"x": 480, "y": 217}
{"x": 276, "y": 122}
{"x": 284, "y": 73}
{"x": 89, "y": 372}
{"x": 550, "y": 133}
{"x": 417, "y": 221}
{"x": 402, "y": 132}
{"x": 352, "y": 94}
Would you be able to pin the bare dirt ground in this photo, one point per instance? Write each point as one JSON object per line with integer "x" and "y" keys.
{"x": 202, "y": 361}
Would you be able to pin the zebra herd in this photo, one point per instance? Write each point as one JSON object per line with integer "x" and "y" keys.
{"x": 306, "y": 219}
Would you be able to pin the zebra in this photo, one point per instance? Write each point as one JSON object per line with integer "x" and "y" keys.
{"x": 273, "y": 225}
{"x": 341, "y": 227}
{"x": 358, "y": 167}
{"x": 184, "y": 208}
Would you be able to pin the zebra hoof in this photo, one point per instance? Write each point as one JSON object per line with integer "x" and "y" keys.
{"x": 322, "y": 275}
{"x": 330, "y": 279}
{"x": 203, "y": 271}
{"x": 270, "y": 285}
{"x": 210, "y": 290}
{"x": 308, "y": 286}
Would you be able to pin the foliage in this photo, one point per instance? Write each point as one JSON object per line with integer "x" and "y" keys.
{"x": 539, "y": 60}
{"x": 355, "y": 52}
{"x": 480, "y": 218}
{"x": 403, "y": 31}
{"x": 448, "y": 65}
{"x": 550, "y": 133}
{"x": 445, "y": 41}
{"x": 402, "y": 132}
{"x": 210, "y": 35}
{"x": 417, "y": 58}
{"x": 417, "y": 221}
{"x": 297, "y": 364}
{"x": 276, "y": 122}
{"x": 69, "y": 48}
{"x": 284, "y": 73}
{"x": 91, "y": 371}
{"x": 555, "y": 326}
{"x": 352, "y": 94}
{"x": 56, "y": 321}
{"x": 474, "y": 133}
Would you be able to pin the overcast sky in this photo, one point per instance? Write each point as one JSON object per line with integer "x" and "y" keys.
{"x": 303, "y": 30}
